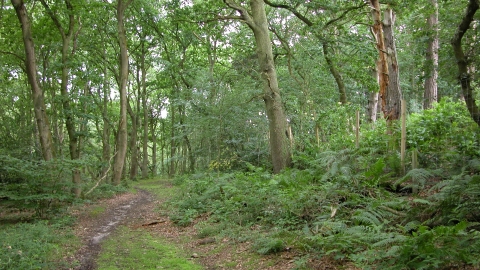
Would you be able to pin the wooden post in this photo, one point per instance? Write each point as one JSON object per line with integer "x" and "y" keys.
{"x": 403, "y": 141}
{"x": 357, "y": 130}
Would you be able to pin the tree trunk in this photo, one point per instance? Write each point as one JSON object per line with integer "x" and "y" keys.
{"x": 336, "y": 74}
{"x": 73, "y": 140}
{"x": 121, "y": 138}
{"x": 393, "y": 95}
{"x": 462, "y": 61}
{"x": 431, "y": 65}
{"x": 106, "y": 125}
{"x": 133, "y": 141}
{"x": 279, "y": 141}
{"x": 171, "y": 171}
{"x": 153, "y": 125}
{"x": 145, "y": 114}
{"x": 382, "y": 67}
{"x": 39, "y": 107}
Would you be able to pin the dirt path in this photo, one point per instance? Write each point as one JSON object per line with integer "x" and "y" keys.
{"x": 140, "y": 210}
{"x": 126, "y": 209}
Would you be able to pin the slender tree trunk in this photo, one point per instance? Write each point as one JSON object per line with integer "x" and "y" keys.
{"x": 336, "y": 74}
{"x": 171, "y": 171}
{"x": 121, "y": 143}
{"x": 39, "y": 107}
{"x": 393, "y": 95}
{"x": 145, "y": 114}
{"x": 154, "y": 145}
{"x": 462, "y": 61}
{"x": 431, "y": 65}
{"x": 279, "y": 141}
{"x": 73, "y": 140}
{"x": 106, "y": 124}
{"x": 133, "y": 141}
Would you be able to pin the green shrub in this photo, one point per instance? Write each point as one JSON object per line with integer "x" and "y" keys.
{"x": 445, "y": 135}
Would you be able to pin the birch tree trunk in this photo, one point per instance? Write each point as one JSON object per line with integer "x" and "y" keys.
{"x": 121, "y": 138}
{"x": 431, "y": 65}
{"x": 39, "y": 108}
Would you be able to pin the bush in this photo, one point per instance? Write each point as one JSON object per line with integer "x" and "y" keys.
{"x": 445, "y": 136}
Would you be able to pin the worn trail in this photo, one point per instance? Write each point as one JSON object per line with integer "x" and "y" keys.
{"x": 126, "y": 209}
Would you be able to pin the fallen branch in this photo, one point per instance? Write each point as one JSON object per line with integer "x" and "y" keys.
{"x": 153, "y": 223}
{"x": 103, "y": 177}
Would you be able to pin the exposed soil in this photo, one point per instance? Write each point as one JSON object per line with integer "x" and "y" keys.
{"x": 126, "y": 209}
{"x": 138, "y": 211}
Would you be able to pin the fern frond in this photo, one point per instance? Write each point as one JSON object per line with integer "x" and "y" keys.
{"x": 389, "y": 239}
{"x": 367, "y": 218}
{"x": 419, "y": 176}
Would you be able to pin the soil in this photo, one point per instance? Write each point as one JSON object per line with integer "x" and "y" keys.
{"x": 126, "y": 209}
{"x": 138, "y": 211}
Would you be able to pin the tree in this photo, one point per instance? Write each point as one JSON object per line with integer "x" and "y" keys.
{"x": 462, "y": 60}
{"x": 68, "y": 36}
{"x": 391, "y": 100}
{"x": 430, "y": 93}
{"x": 121, "y": 138}
{"x": 39, "y": 107}
{"x": 279, "y": 141}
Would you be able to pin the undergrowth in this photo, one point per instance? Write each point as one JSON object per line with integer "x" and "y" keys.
{"x": 37, "y": 245}
{"x": 348, "y": 205}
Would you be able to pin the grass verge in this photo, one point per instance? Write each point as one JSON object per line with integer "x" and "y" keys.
{"x": 139, "y": 250}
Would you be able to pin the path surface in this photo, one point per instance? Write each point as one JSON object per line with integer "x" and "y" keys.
{"x": 127, "y": 209}
{"x": 140, "y": 210}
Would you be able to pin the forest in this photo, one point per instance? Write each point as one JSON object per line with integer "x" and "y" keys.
{"x": 340, "y": 134}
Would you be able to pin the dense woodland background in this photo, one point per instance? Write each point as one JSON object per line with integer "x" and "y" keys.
{"x": 249, "y": 97}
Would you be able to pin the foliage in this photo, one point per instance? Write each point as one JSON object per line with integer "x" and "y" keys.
{"x": 445, "y": 136}
{"x": 40, "y": 186}
{"x": 33, "y": 246}
{"x": 338, "y": 206}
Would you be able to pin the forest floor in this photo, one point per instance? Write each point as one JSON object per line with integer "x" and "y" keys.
{"x": 133, "y": 231}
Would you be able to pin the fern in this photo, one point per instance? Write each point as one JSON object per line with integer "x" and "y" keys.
{"x": 417, "y": 177}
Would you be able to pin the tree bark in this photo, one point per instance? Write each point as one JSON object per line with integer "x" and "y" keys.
{"x": 382, "y": 67}
{"x": 336, "y": 74}
{"x": 134, "y": 118}
{"x": 279, "y": 141}
{"x": 121, "y": 139}
{"x": 173, "y": 147}
{"x": 431, "y": 60}
{"x": 462, "y": 60}
{"x": 393, "y": 95}
{"x": 39, "y": 107}
{"x": 145, "y": 113}
{"x": 73, "y": 140}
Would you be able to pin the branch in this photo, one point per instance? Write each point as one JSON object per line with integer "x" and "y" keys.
{"x": 472, "y": 8}
{"x": 103, "y": 177}
{"x": 54, "y": 18}
{"x": 344, "y": 14}
{"x": 291, "y": 9}
{"x": 243, "y": 12}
